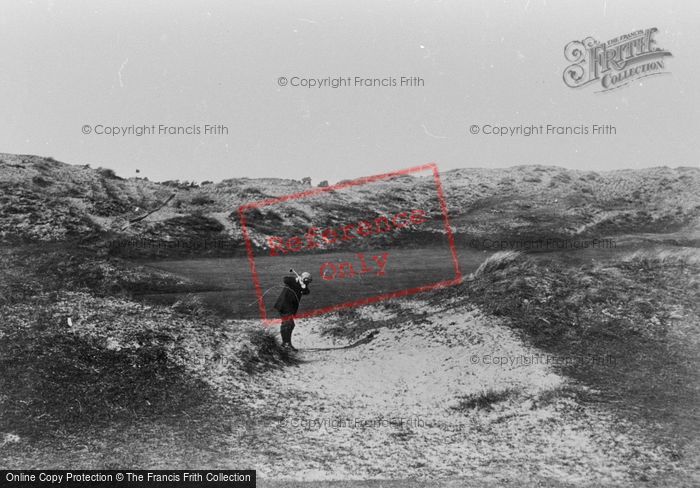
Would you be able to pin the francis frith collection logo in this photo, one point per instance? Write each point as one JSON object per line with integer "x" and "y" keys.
{"x": 614, "y": 63}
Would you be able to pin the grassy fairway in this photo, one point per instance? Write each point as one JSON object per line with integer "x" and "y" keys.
{"x": 231, "y": 289}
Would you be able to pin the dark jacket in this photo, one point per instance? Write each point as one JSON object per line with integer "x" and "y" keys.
{"x": 289, "y": 299}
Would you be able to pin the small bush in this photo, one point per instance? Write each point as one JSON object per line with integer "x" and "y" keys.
{"x": 250, "y": 191}
{"x": 39, "y": 181}
{"x": 108, "y": 174}
{"x": 201, "y": 200}
{"x": 486, "y": 399}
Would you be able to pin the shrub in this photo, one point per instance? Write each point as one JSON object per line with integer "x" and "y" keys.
{"x": 39, "y": 181}
{"x": 201, "y": 200}
{"x": 108, "y": 174}
{"x": 250, "y": 191}
{"x": 484, "y": 400}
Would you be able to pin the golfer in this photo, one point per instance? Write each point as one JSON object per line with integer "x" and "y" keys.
{"x": 288, "y": 303}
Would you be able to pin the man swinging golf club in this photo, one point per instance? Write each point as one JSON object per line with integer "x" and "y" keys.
{"x": 288, "y": 303}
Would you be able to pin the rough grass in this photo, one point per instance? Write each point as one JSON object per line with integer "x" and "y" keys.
{"x": 265, "y": 352}
{"x": 496, "y": 261}
{"x": 663, "y": 257}
{"x": 484, "y": 400}
{"x": 74, "y": 356}
{"x": 551, "y": 301}
{"x": 53, "y": 379}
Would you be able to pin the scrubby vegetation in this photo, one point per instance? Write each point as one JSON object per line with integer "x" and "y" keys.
{"x": 202, "y": 200}
{"x": 77, "y": 351}
{"x": 484, "y": 400}
{"x": 54, "y": 377}
{"x": 108, "y": 174}
{"x": 555, "y": 302}
{"x": 43, "y": 199}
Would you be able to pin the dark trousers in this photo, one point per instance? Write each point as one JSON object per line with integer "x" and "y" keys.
{"x": 286, "y": 330}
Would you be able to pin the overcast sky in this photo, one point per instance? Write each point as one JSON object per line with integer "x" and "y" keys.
{"x": 177, "y": 63}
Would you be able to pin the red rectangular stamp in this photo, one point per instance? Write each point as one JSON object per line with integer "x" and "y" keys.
{"x": 354, "y": 243}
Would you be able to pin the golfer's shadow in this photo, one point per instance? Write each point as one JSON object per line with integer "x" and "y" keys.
{"x": 365, "y": 340}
